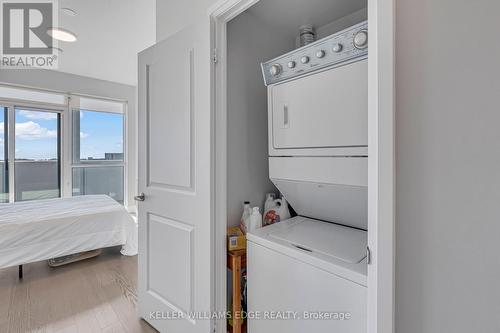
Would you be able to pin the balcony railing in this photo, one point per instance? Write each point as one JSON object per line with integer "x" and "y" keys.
{"x": 41, "y": 180}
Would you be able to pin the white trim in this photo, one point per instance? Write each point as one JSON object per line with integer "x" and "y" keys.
{"x": 20, "y": 86}
{"x": 101, "y": 108}
{"x": 126, "y": 185}
{"x": 67, "y": 93}
{"x": 381, "y": 161}
{"x": 34, "y": 105}
{"x": 220, "y": 172}
{"x": 67, "y": 179}
{"x": 11, "y": 117}
{"x": 381, "y": 170}
{"x": 38, "y": 95}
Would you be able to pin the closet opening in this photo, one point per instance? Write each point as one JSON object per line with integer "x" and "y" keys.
{"x": 292, "y": 162}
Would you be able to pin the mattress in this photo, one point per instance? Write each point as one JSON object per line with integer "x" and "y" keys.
{"x": 43, "y": 229}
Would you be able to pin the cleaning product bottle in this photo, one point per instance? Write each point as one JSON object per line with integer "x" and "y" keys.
{"x": 268, "y": 203}
{"x": 245, "y": 217}
{"x": 271, "y": 215}
{"x": 277, "y": 212}
{"x": 284, "y": 212}
{"x": 255, "y": 220}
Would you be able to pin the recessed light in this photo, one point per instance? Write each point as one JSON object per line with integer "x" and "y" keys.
{"x": 68, "y": 11}
{"x": 62, "y": 34}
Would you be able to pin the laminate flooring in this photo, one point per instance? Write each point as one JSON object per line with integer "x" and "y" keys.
{"x": 90, "y": 296}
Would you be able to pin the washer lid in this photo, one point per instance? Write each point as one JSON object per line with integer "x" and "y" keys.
{"x": 332, "y": 240}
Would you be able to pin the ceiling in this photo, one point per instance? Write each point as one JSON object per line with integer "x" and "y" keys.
{"x": 289, "y": 15}
{"x": 110, "y": 34}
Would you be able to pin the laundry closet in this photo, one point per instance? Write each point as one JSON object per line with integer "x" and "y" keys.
{"x": 297, "y": 109}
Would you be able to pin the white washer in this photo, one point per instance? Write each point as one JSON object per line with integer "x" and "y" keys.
{"x": 303, "y": 267}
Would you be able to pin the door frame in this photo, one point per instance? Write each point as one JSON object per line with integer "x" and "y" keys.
{"x": 381, "y": 161}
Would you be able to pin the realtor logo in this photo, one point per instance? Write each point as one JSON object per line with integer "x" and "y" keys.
{"x": 25, "y": 39}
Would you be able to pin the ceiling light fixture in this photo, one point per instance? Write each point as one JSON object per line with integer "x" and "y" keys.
{"x": 68, "y": 11}
{"x": 62, "y": 34}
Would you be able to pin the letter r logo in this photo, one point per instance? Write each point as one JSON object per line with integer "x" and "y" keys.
{"x": 25, "y": 27}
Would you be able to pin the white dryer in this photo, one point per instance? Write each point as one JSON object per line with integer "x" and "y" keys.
{"x": 317, "y": 123}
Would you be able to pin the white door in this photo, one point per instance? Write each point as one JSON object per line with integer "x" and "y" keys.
{"x": 326, "y": 109}
{"x": 175, "y": 218}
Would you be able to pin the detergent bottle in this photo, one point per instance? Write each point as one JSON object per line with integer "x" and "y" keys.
{"x": 245, "y": 217}
{"x": 255, "y": 220}
{"x": 268, "y": 203}
{"x": 278, "y": 211}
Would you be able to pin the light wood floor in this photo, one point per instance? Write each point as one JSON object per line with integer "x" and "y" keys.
{"x": 95, "y": 295}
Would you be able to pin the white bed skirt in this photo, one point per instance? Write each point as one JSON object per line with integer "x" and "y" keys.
{"x": 38, "y": 230}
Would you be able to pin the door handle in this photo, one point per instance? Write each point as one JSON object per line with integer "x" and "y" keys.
{"x": 140, "y": 197}
{"x": 286, "y": 121}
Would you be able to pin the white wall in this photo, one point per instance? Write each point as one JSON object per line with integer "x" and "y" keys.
{"x": 448, "y": 166}
{"x": 58, "y": 81}
{"x": 110, "y": 34}
{"x": 173, "y": 15}
{"x": 448, "y": 179}
{"x": 249, "y": 43}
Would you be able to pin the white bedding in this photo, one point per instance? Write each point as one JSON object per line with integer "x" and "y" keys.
{"x": 43, "y": 229}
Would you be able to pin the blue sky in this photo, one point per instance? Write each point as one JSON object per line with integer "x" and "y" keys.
{"x": 99, "y": 133}
{"x": 36, "y": 134}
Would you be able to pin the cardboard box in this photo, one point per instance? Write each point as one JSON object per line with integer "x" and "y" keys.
{"x": 236, "y": 240}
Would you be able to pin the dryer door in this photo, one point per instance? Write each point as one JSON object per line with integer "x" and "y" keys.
{"x": 323, "y": 110}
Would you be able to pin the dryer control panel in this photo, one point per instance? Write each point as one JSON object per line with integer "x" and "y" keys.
{"x": 341, "y": 47}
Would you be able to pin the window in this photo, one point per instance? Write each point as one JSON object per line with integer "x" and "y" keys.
{"x": 97, "y": 136}
{"x": 4, "y": 156}
{"x": 58, "y": 145}
{"x": 98, "y": 154}
{"x": 99, "y": 180}
{"x": 37, "y": 150}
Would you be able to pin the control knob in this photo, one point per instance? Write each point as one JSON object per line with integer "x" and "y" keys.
{"x": 275, "y": 69}
{"x": 337, "y": 47}
{"x": 304, "y": 59}
{"x": 361, "y": 39}
{"x": 291, "y": 64}
{"x": 320, "y": 54}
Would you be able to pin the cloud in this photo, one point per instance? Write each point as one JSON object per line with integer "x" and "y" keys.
{"x": 38, "y": 115}
{"x": 33, "y": 131}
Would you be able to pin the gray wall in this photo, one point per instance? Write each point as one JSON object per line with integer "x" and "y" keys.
{"x": 76, "y": 84}
{"x": 448, "y": 179}
{"x": 448, "y": 166}
{"x": 173, "y": 15}
{"x": 247, "y": 152}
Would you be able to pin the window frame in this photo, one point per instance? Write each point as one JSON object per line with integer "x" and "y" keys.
{"x": 66, "y": 138}
{"x": 12, "y": 143}
{"x": 12, "y": 105}
{"x": 74, "y": 106}
{"x": 77, "y": 161}
{"x": 5, "y": 154}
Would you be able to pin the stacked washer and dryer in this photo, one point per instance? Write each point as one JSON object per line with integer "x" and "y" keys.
{"x": 314, "y": 264}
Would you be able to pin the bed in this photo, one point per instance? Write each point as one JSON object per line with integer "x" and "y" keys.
{"x": 38, "y": 230}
